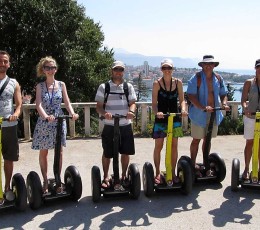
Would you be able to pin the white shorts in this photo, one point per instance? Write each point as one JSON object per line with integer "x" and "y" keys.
{"x": 249, "y": 127}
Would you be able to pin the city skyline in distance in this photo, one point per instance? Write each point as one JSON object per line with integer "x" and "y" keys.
{"x": 136, "y": 59}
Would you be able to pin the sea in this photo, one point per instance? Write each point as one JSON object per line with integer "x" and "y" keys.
{"x": 237, "y": 93}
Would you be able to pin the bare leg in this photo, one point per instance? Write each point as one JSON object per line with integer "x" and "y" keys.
{"x": 194, "y": 147}
{"x": 124, "y": 162}
{"x": 8, "y": 168}
{"x": 157, "y": 155}
{"x": 174, "y": 155}
{"x": 105, "y": 164}
{"x": 248, "y": 153}
{"x": 43, "y": 163}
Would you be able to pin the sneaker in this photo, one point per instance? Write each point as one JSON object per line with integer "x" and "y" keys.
{"x": 9, "y": 195}
{"x": 119, "y": 187}
{"x": 125, "y": 182}
{"x": 169, "y": 183}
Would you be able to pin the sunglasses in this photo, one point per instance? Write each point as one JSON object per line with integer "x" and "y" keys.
{"x": 47, "y": 68}
{"x": 166, "y": 68}
{"x": 118, "y": 69}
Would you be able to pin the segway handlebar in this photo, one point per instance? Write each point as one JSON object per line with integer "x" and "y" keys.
{"x": 114, "y": 116}
{"x": 215, "y": 109}
{"x": 169, "y": 114}
{"x": 62, "y": 117}
{"x": 8, "y": 119}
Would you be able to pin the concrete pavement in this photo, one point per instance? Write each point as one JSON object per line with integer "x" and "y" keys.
{"x": 209, "y": 206}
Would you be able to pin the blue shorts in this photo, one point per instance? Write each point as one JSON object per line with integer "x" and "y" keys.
{"x": 160, "y": 130}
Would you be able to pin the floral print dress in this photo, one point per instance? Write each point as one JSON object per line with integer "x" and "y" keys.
{"x": 44, "y": 136}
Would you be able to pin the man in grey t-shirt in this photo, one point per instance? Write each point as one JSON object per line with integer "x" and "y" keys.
{"x": 117, "y": 103}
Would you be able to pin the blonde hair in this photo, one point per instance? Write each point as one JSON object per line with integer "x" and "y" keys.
{"x": 41, "y": 64}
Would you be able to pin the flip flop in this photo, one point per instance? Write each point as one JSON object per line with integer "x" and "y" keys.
{"x": 157, "y": 179}
{"x": 105, "y": 183}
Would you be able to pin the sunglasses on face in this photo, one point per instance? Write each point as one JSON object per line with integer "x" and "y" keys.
{"x": 118, "y": 69}
{"x": 47, "y": 68}
{"x": 166, "y": 68}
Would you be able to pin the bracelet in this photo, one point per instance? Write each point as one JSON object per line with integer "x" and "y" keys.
{"x": 130, "y": 111}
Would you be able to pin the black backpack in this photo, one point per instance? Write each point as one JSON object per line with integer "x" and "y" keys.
{"x": 107, "y": 92}
{"x": 198, "y": 75}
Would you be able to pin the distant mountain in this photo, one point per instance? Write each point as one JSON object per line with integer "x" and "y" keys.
{"x": 138, "y": 59}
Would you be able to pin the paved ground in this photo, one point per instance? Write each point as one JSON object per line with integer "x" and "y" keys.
{"x": 208, "y": 207}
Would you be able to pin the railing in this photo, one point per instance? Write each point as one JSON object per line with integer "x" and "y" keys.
{"x": 86, "y": 106}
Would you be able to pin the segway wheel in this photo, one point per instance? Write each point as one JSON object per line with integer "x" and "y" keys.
{"x": 34, "y": 190}
{"x": 184, "y": 172}
{"x": 235, "y": 175}
{"x": 19, "y": 189}
{"x": 73, "y": 182}
{"x": 188, "y": 159}
{"x": 135, "y": 181}
{"x": 148, "y": 179}
{"x": 95, "y": 183}
{"x": 219, "y": 166}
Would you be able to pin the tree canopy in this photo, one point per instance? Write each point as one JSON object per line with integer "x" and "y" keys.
{"x": 32, "y": 29}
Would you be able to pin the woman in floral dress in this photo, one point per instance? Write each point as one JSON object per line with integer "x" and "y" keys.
{"x": 49, "y": 96}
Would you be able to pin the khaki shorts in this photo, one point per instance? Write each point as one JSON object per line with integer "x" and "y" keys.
{"x": 249, "y": 128}
{"x": 199, "y": 132}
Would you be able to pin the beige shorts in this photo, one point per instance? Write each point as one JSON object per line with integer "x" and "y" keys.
{"x": 249, "y": 127}
{"x": 199, "y": 132}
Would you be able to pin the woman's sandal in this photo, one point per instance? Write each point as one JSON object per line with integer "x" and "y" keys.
{"x": 105, "y": 183}
{"x": 45, "y": 190}
{"x": 245, "y": 175}
{"x": 157, "y": 179}
{"x": 2, "y": 201}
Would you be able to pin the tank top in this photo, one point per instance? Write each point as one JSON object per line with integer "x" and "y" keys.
{"x": 167, "y": 102}
{"x": 254, "y": 96}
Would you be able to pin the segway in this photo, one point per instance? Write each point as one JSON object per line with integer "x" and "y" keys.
{"x": 236, "y": 178}
{"x": 213, "y": 168}
{"x": 16, "y": 197}
{"x": 183, "y": 169}
{"x": 72, "y": 186}
{"x": 131, "y": 189}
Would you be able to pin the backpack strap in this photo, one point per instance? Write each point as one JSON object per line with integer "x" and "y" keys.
{"x": 126, "y": 91}
{"x": 4, "y": 85}
{"x": 107, "y": 91}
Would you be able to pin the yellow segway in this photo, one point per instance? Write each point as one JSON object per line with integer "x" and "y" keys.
{"x": 236, "y": 178}
{"x": 184, "y": 171}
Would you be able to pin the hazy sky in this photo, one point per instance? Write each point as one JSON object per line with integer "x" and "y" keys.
{"x": 228, "y": 29}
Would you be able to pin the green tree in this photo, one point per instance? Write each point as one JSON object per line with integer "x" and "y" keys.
{"x": 32, "y": 29}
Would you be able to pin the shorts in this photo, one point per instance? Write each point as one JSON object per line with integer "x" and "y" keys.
{"x": 10, "y": 146}
{"x": 199, "y": 132}
{"x": 160, "y": 130}
{"x": 126, "y": 140}
{"x": 249, "y": 127}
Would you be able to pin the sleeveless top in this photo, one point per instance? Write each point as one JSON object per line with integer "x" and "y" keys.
{"x": 6, "y": 101}
{"x": 168, "y": 102}
{"x": 254, "y": 97}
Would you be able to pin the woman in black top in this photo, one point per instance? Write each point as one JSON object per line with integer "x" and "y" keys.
{"x": 167, "y": 91}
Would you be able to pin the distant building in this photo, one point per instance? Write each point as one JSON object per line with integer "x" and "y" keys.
{"x": 146, "y": 69}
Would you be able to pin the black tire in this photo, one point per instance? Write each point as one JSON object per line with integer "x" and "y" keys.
{"x": 235, "y": 175}
{"x": 34, "y": 190}
{"x": 95, "y": 183}
{"x": 185, "y": 175}
{"x": 72, "y": 180}
{"x": 135, "y": 180}
{"x": 188, "y": 159}
{"x": 148, "y": 179}
{"x": 19, "y": 189}
{"x": 219, "y": 166}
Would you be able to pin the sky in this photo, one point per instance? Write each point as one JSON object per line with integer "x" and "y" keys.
{"x": 227, "y": 29}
